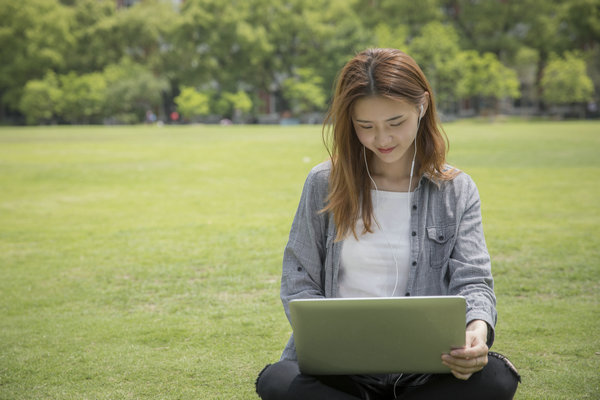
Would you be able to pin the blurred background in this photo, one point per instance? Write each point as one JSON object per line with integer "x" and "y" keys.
{"x": 275, "y": 61}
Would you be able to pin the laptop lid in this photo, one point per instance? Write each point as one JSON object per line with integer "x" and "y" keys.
{"x": 376, "y": 335}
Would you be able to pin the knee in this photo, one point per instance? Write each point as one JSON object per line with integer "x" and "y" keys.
{"x": 502, "y": 377}
{"x": 274, "y": 380}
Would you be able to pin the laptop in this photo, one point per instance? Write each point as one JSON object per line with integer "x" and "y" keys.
{"x": 339, "y": 336}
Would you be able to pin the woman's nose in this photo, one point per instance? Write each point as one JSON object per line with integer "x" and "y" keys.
{"x": 382, "y": 136}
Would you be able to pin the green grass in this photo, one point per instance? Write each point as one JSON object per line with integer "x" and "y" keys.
{"x": 144, "y": 262}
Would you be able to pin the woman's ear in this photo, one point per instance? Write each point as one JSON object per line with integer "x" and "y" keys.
{"x": 425, "y": 103}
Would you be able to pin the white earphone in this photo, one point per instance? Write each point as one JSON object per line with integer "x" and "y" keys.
{"x": 421, "y": 115}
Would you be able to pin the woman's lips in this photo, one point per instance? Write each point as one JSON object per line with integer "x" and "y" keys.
{"x": 386, "y": 150}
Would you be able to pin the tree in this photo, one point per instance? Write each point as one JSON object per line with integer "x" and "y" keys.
{"x": 290, "y": 50}
{"x": 502, "y": 27}
{"x": 582, "y": 20}
{"x": 526, "y": 63}
{"x": 543, "y": 26}
{"x": 566, "y": 81}
{"x": 304, "y": 92}
{"x": 83, "y": 97}
{"x": 435, "y": 50}
{"x": 255, "y": 45}
{"x": 593, "y": 63}
{"x": 337, "y": 33}
{"x": 206, "y": 46}
{"x": 36, "y": 38}
{"x": 233, "y": 105}
{"x": 143, "y": 33}
{"x": 131, "y": 90}
{"x": 92, "y": 27}
{"x": 409, "y": 13}
{"x": 191, "y": 103}
{"x": 388, "y": 37}
{"x": 40, "y": 98}
{"x": 484, "y": 77}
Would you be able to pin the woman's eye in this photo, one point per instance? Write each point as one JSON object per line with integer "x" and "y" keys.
{"x": 397, "y": 124}
{"x": 365, "y": 127}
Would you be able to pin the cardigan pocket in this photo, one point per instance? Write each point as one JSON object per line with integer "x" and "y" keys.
{"x": 440, "y": 245}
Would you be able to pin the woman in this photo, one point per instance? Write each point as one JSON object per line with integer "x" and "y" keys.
{"x": 386, "y": 216}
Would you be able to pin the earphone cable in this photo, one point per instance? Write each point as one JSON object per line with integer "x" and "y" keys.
{"x": 412, "y": 167}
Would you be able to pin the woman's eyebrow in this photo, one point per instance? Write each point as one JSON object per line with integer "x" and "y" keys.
{"x": 387, "y": 120}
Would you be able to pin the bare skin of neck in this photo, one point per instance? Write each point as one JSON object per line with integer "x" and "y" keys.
{"x": 394, "y": 177}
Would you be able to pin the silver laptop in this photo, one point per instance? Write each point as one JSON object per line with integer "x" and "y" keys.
{"x": 377, "y": 335}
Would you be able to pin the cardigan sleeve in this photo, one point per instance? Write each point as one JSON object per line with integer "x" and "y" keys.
{"x": 304, "y": 254}
{"x": 470, "y": 264}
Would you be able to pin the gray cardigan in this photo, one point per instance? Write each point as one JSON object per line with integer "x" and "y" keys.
{"x": 447, "y": 248}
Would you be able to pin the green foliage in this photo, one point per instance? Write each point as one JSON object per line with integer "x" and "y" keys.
{"x": 232, "y": 105}
{"x": 388, "y": 37}
{"x": 490, "y": 26}
{"x": 191, "y": 103}
{"x": 582, "y": 19}
{"x": 409, "y": 13}
{"x": 92, "y": 28}
{"x": 304, "y": 92}
{"x": 122, "y": 92}
{"x": 143, "y": 32}
{"x": 525, "y": 63}
{"x": 483, "y": 75}
{"x": 83, "y": 97}
{"x": 205, "y": 42}
{"x": 565, "y": 80}
{"x": 260, "y": 45}
{"x": 340, "y": 35}
{"x": 435, "y": 50}
{"x": 36, "y": 38}
{"x": 40, "y": 99}
{"x": 131, "y": 90}
{"x": 241, "y": 101}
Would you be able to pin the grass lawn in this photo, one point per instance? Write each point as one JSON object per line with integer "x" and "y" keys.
{"x": 144, "y": 262}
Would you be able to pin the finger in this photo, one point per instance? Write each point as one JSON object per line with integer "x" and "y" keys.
{"x": 475, "y": 362}
{"x": 460, "y": 361}
{"x": 463, "y": 365}
{"x": 470, "y": 352}
{"x": 463, "y": 370}
{"x": 460, "y": 376}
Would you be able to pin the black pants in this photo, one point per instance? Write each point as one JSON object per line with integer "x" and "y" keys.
{"x": 283, "y": 381}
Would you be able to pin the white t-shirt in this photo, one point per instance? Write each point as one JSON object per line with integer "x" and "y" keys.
{"x": 378, "y": 262}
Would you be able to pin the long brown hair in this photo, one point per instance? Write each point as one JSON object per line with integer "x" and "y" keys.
{"x": 388, "y": 73}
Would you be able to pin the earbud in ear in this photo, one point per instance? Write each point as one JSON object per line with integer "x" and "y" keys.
{"x": 421, "y": 115}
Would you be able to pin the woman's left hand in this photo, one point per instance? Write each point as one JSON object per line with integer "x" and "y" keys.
{"x": 467, "y": 360}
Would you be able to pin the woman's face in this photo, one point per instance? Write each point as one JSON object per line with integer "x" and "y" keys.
{"x": 386, "y": 127}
